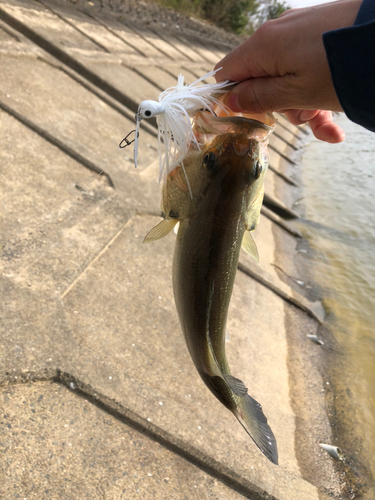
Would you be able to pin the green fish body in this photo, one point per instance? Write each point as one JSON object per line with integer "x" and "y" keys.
{"x": 216, "y": 215}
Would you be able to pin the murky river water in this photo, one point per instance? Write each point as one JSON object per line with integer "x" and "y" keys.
{"x": 339, "y": 205}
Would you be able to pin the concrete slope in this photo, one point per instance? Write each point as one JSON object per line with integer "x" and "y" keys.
{"x": 100, "y": 397}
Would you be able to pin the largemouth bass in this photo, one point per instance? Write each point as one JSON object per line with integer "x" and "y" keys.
{"x": 216, "y": 213}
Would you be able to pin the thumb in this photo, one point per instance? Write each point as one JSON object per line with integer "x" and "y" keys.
{"x": 259, "y": 95}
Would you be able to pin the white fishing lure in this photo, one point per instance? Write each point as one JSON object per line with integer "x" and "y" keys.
{"x": 173, "y": 115}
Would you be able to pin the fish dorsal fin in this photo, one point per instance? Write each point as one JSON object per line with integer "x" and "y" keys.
{"x": 160, "y": 230}
{"x": 248, "y": 244}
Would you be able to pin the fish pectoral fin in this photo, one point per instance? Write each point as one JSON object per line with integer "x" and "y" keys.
{"x": 160, "y": 230}
{"x": 248, "y": 244}
{"x": 250, "y": 415}
{"x": 237, "y": 386}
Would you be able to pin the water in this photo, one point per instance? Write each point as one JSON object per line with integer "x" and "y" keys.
{"x": 339, "y": 205}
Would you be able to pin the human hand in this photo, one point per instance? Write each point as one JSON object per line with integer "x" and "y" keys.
{"x": 283, "y": 67}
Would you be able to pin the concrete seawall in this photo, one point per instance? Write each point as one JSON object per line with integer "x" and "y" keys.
{"x": 100, "y": 398}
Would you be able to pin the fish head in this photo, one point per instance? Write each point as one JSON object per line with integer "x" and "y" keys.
{"x": 256, "y": 128}
{"x": 232, "y": 162}
{"x": 229, "y": 161}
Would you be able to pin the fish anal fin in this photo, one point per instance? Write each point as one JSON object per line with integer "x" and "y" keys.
{"x": 237, "y": 386}
{"x": 160, "y": 230}
{"x": 248, "y": 244}
{"x": 250, "y": 414}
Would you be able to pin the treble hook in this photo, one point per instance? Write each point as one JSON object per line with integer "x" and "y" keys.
{"x": 125, "y": 142}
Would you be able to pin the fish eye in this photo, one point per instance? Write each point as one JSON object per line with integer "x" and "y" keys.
{"x": 148, "y": 113}
{"x": 209, "y": 160}
{"x": 258, "y": 169}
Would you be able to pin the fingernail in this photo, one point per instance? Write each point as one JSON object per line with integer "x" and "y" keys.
{"x": 232, "y": 102}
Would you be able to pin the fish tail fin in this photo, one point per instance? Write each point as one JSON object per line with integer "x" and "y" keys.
{"x": 250, "y": 415}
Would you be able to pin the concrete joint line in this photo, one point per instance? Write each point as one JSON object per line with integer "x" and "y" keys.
{"x": 297, "y": 136}
{"x": 284, "y": 225}
{"x": 9, "y": 32}
{"x": 286, "y": 142}
{"x": 85, "y": 84}
{"x": 283, "y": 176}
{"x": 168, "y": 72}
{"x": 139, "y": 73}
{"x": 92, "y": 40}
{"x": 279, "y": 209}
{"x": 131, "y": 28}
{"x": 171, "y": 44}
{"x": 56, "y": 142}
{"x": 192, "y": 71}
{"x": 92, "y": 262}
{"x": 295, "y": 301}
{"x": 193, "y": 455}
{"x": 281, "y": 154}
{"x": 147, "y": 126}
{"x": 99, "y": 21}
{"x": 70, "y": 61}
{"x": 183, "y": 42}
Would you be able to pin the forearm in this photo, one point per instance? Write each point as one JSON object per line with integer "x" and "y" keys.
{"x": 351, "y": 57}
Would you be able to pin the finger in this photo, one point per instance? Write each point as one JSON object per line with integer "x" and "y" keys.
{"x": 259, "y": 95}
{"x": 320, "y": 123}
{"x": 300, "y": 116}
{"x": 324, "y": 129}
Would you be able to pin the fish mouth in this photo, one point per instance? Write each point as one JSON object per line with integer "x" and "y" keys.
{"x": 207, "y": 126}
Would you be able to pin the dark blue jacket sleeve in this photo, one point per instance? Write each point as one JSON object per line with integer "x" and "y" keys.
{"x": 351, "y": 57}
